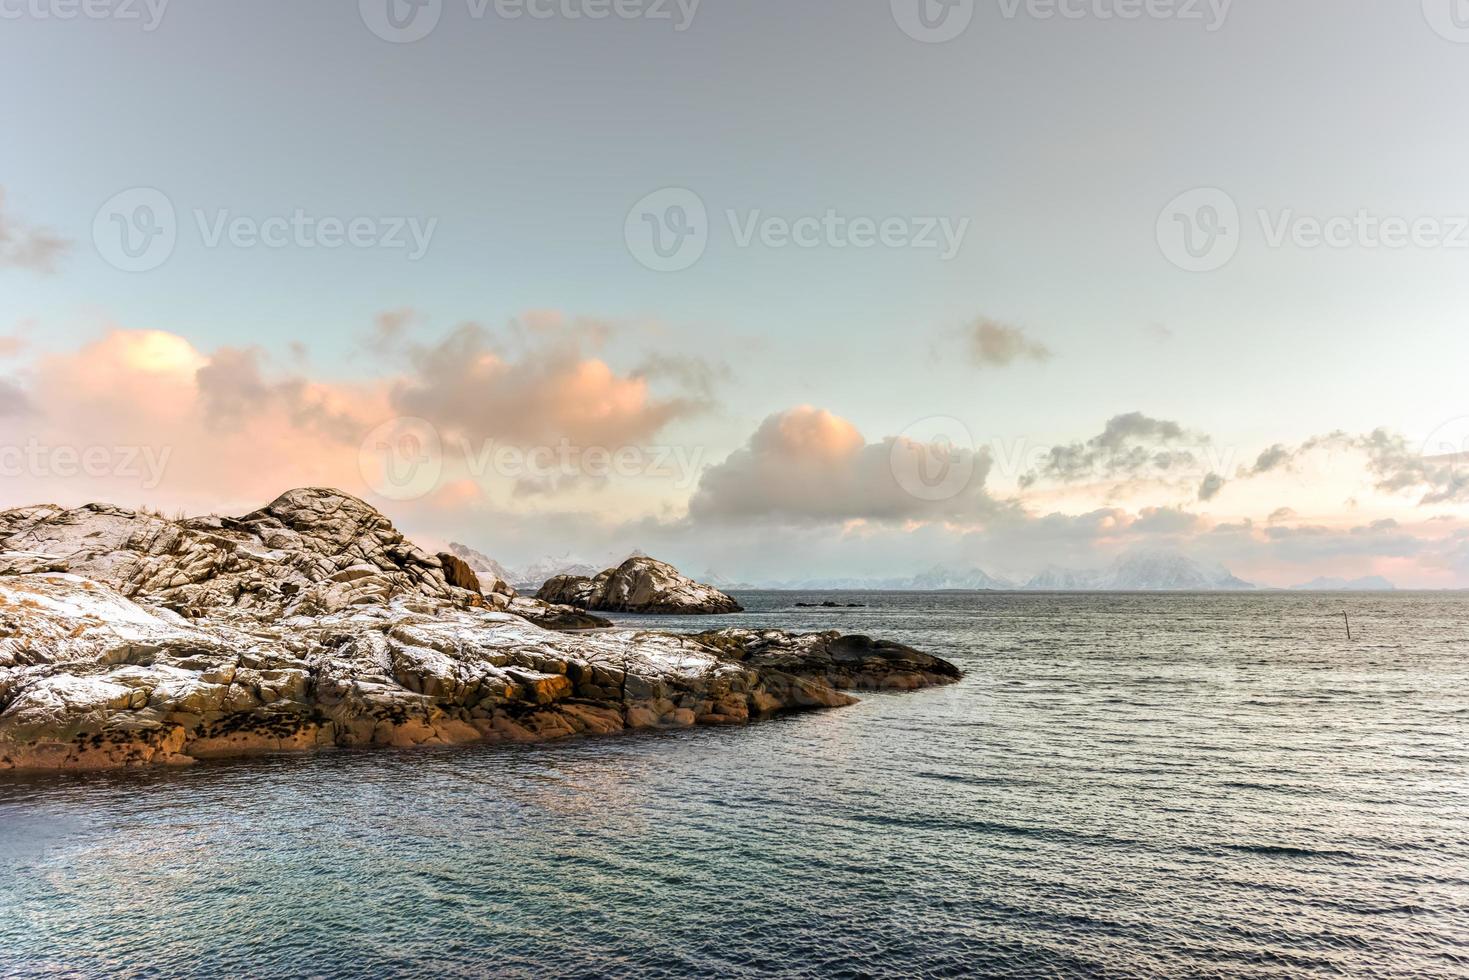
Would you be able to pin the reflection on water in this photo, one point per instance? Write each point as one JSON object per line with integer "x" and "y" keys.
{"x": 1133, "y": 785}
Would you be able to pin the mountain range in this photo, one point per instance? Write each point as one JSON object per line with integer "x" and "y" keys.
{"x": 1137, "y": 571}
{"x": 530, "y": 577}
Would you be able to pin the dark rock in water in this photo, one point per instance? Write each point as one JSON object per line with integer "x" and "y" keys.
{"x": 830, "y": 604}
{"x": 639, "y": 585}
{"x": 128, "y": 639}
{"x": 553, "y": 616}
{"x": 844, "y": 662}
{"x": 568, "y": 590}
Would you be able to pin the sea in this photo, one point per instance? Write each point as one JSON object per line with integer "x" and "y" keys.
{"x": 1121, "y": 785}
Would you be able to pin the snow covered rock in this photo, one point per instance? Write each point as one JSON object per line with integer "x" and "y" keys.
{"x": 639, "y": 585}
{"x": 131, "y": 639}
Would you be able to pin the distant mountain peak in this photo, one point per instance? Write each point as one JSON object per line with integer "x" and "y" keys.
{"x": 480, "y": 563}
{"x": 1143, "y": 570}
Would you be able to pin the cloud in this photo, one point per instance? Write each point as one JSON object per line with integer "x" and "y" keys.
{"x": 535, "y": 390}
{"x": 807, "y": 465}
{"x": 1165, "y": 521}
{"x": 1121, "y": 430}
{"x": 233, "y": 389}
{"x": 698, "y": 375}
{"x": 994, "y": 344}
{"x": 13, "y": 399}
{"x": 1397, "y": 465}
{"x": 1159, "y": 333}
{"x": 222, "y": 430}
{"x": 1023, "y": 544}
{"x": 1272, "y": 458}
{"x": 808, "y": 494}
{"x": 1130, "y": 445}
{"x": 25, "y": 247}
{"x": 239, "y": 425}
{"x": 389, "y": 331}
{"x": 1314, "y": 543}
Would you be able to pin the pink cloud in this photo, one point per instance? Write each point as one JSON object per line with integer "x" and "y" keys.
{"x": 808, "y": 465}
{"x": 233, "y": 427}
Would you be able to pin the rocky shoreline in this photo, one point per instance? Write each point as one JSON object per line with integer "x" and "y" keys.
{"x": 129, "y": 639}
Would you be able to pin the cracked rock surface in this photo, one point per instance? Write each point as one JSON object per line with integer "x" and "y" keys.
{"x": 127, "y": 638}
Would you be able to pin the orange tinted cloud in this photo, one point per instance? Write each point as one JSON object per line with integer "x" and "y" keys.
{"x": 546, "y": 391}
{"x": 235, "y": 427}
{"x": 808, "y": 465}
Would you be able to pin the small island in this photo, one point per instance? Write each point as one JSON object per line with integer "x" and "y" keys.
{"x": 639, "y": 585}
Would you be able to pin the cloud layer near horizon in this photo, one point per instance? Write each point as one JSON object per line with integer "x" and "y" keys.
{"x": 233, "y": 427}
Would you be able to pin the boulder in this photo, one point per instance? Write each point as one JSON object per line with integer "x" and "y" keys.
{"x": 842, "y": 662}
{"x": 639, "y": 585}
{"x": 458, "y": 573}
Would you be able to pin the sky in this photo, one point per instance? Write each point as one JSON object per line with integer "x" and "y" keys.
{"x": 772, "y": 290}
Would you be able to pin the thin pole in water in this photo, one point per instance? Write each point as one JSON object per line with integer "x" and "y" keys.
{"x": 1348, "y": 622}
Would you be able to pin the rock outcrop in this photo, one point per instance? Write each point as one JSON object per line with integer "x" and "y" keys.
{"x": 639, "y": 585}
{"x": 310, "y": 552}
{"x": 130, "y": 639}
{"x": 458, "y": 573}
{"x": 855, "y": 663}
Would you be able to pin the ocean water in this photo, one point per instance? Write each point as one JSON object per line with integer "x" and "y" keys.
{"x": 1120, "y": 785}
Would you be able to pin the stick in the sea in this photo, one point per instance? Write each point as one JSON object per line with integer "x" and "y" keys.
{"x": 1348, "y": 622}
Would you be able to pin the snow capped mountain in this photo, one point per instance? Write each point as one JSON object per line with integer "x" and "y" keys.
{"x": 1143, "y": 571}
{"x": 1372, "y": 583}
{"x": 840, "y": 585}
{"x": 972, "y": 579}
{"x": 533, "y": 576}
{"x": 481, "y": 564}
{"x": 938, "y": 578}
{"x": 1166, "y": 571}
{"x": 1139, "y": 571}
{"x": 1054, "y": 579}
